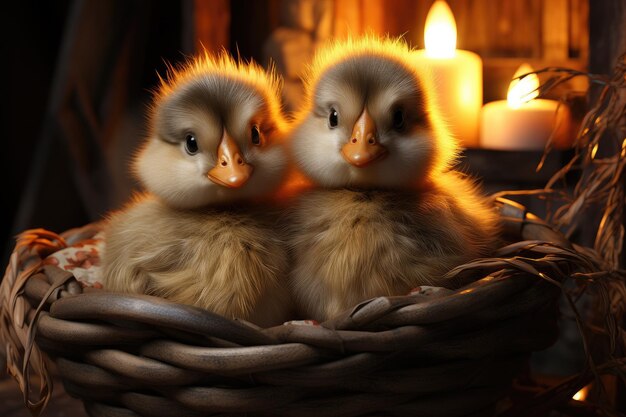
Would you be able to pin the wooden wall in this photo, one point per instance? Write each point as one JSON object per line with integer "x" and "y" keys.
{"x": 505, "y": 33}
{"x": 555, "y": 29}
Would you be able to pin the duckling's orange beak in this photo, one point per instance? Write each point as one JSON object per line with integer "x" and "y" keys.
{"x": 363, "y": 147}
{"x": 231, "y": 169}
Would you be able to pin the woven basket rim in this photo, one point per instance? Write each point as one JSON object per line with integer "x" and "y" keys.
{"x": 158, "y": 340}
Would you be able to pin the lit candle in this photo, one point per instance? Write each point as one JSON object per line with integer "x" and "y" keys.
{"x": 456, "y": 74}
{"x": 522, "y": 122}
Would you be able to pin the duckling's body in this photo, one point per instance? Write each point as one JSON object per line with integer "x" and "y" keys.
{"x": 390, "y": 214}
{"x": 353, "y": 245}
{"x": 225, "y": 260}
{"x": 199, "y": 235}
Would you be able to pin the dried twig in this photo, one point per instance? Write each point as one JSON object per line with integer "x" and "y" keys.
{"x": 599, "y": 159}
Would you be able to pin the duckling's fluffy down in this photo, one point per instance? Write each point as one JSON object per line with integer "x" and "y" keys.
{"x": 226, "y": 261}
{"x": 349, "y": 246}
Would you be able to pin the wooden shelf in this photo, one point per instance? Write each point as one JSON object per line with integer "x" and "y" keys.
{"x": 512, "y": 169}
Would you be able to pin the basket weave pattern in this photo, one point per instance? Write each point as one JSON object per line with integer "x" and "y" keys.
{"x": 447, "y": 354}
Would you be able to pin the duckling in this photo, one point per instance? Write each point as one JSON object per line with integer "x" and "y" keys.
{"x": 389, "y": 213}
{"x": 200, "y": 234}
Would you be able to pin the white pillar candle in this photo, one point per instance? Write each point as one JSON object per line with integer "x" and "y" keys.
{"x": 457, "y": 75}
{"x": 522, "y": 122}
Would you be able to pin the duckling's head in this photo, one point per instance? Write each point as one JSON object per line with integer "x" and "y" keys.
{"x": 368, "y": 119}
{"x": 216, "y": 132}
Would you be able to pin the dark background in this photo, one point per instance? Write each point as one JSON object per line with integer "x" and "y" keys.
{"x": 57, "y": 138}
{"x": 41, "y": 181}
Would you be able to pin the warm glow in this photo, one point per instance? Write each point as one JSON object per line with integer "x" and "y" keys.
{"x": 594, "y": 151}
{"x": 525, "y": 89}
{"x": 440, "y": 31}
{"x": 582, "y": 394}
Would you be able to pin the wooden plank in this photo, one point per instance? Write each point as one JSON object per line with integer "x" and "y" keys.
{"x": 374, "y": 16}
{"x": 579, "y": 29}
{"x": 474, "y": 24}
{"x": 419, "y": 13}
{"x": 503, "y": 28}
{"x": 529, "y": 30}
{"x": 607, "y": 34}
{"x": 555, "y": 31}
{"x": 399, "y": 17}
{"x": 347, "y": 18}
{"x": 507, "y": 28}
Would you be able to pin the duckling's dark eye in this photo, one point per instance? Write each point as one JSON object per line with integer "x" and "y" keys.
{"x": 398, "y": 119}
{"x": 333, "y": 118}
{"x": 255, "y": 135}
{"x": 191, "y": 145}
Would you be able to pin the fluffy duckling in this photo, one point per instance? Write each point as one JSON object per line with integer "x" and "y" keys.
{"x": 391, "y": 214}
{"x": 215, "y": 146}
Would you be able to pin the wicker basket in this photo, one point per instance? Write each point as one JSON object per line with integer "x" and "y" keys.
{"x": 451, "y": 353}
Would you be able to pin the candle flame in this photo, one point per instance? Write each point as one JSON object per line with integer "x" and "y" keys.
{"x": 525, "y": 89}
{"x": 440, "y": 31}
{"x": 582, "y": 394}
